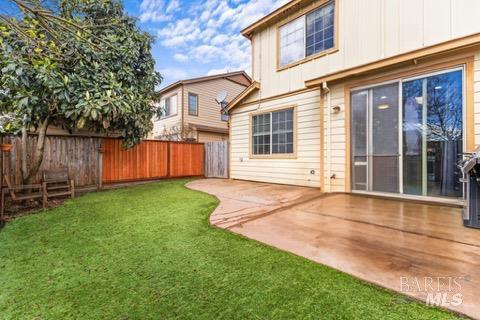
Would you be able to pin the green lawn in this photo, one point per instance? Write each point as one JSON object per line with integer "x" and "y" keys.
{"x": 148, "y": 252}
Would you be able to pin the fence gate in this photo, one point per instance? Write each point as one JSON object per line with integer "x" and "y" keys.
{"x": 216, "y": 159}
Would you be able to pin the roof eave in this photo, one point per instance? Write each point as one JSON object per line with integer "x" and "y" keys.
{"x": 235, "y": 102}
{"x": 204, "y": 78}
{"x": 248, "y": 31}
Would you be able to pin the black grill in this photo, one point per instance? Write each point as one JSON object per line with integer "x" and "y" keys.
{"x": 470, "y": 167}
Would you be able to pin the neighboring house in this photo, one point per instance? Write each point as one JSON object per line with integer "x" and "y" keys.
{"x": 190, "y": 111}
{"x": 371, "y": 97}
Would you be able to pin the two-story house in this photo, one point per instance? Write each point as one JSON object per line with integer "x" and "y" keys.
{"x": 190, "y": 110}
{"x": 377, "y": 96}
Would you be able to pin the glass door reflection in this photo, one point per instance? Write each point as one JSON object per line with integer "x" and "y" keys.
{"x": 433, "y": 134}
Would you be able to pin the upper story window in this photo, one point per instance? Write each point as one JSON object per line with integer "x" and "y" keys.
{"x": 168, "y": 106}
{"x": 292, "y": 41}
{"x": 307, "y": 35}
{"x": 192, "y": 104}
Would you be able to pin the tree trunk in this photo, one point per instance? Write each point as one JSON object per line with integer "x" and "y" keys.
{"x": 28, "y": 178}
{"x": 24, "y": 157}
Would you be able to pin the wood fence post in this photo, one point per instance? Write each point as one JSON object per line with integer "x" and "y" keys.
{"x": 1, "y": 165}
{"x": 204, "y": 159}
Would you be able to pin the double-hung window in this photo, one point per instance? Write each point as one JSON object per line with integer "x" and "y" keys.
{"x": 307, "y": 35}
{"x": 273, "y": 132}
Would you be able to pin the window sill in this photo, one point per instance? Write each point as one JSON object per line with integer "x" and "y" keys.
{"x": 308, "y": 59}
{"x": 274, "y": 156}
{"x": 165, "y": 118}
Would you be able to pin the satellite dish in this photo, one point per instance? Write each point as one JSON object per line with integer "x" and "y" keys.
{"x": 221, "y": 96}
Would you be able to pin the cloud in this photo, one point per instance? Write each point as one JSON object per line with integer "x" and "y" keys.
{"x": 180, "y": 57}
{"x": 220, "y": 39}
{"x": 173, "y": 6}
{"x": 209, "y": 31}
{"x": 158, "y": 10}
{"x": 174, "y": 74}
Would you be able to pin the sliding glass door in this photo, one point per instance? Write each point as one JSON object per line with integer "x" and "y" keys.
{"x": 433, "y": 134}
{"x": 407, "y": 135}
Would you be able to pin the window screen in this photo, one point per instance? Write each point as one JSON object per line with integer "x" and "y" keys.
{"x": 320, "y": 29}
{"x": 292, "y": 41}
{"x": 261, "y": 134}
{"x": 282, "y": 131}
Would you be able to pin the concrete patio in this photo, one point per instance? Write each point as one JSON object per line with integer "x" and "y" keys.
{"x": 408, "y": 247}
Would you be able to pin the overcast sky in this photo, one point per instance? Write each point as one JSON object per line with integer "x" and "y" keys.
{"x": 195, "y": 37}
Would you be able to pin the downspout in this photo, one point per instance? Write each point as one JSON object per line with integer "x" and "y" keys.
{"x": 322, "y": 140}
{"x": 328, "y": 107}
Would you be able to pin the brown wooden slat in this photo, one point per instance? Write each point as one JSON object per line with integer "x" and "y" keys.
{"x": 216, "y": 159}
{"x": 149, "y": 160}
{"x": 77, "y": 154}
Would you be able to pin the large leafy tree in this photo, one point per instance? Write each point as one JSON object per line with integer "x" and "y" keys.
{"x": 75, "y": 64}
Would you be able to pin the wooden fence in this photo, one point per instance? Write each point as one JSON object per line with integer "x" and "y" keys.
{"x": 78, "y": 154}
{"x": 151, "y": 159}
{"x": 216, "y": 159}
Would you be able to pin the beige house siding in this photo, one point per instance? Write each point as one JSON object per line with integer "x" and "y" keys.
{"x": 368, "y": 31}
{"x": 295, "y": 171}
{"x": 335, "y": 136}
{"x": 208, "y": 115}
{"x": 334, "y": 156}
{"x": 208, "y": 108}
{"x": 211, "y": 136}
{"x": 477, "y": 98}
{"x": 159, "y": 125}
{"x": 335, "y": 132}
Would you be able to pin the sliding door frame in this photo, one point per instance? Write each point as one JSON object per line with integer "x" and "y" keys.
{"x": 369, "y": 131}
{"x": 464, "y": 64}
